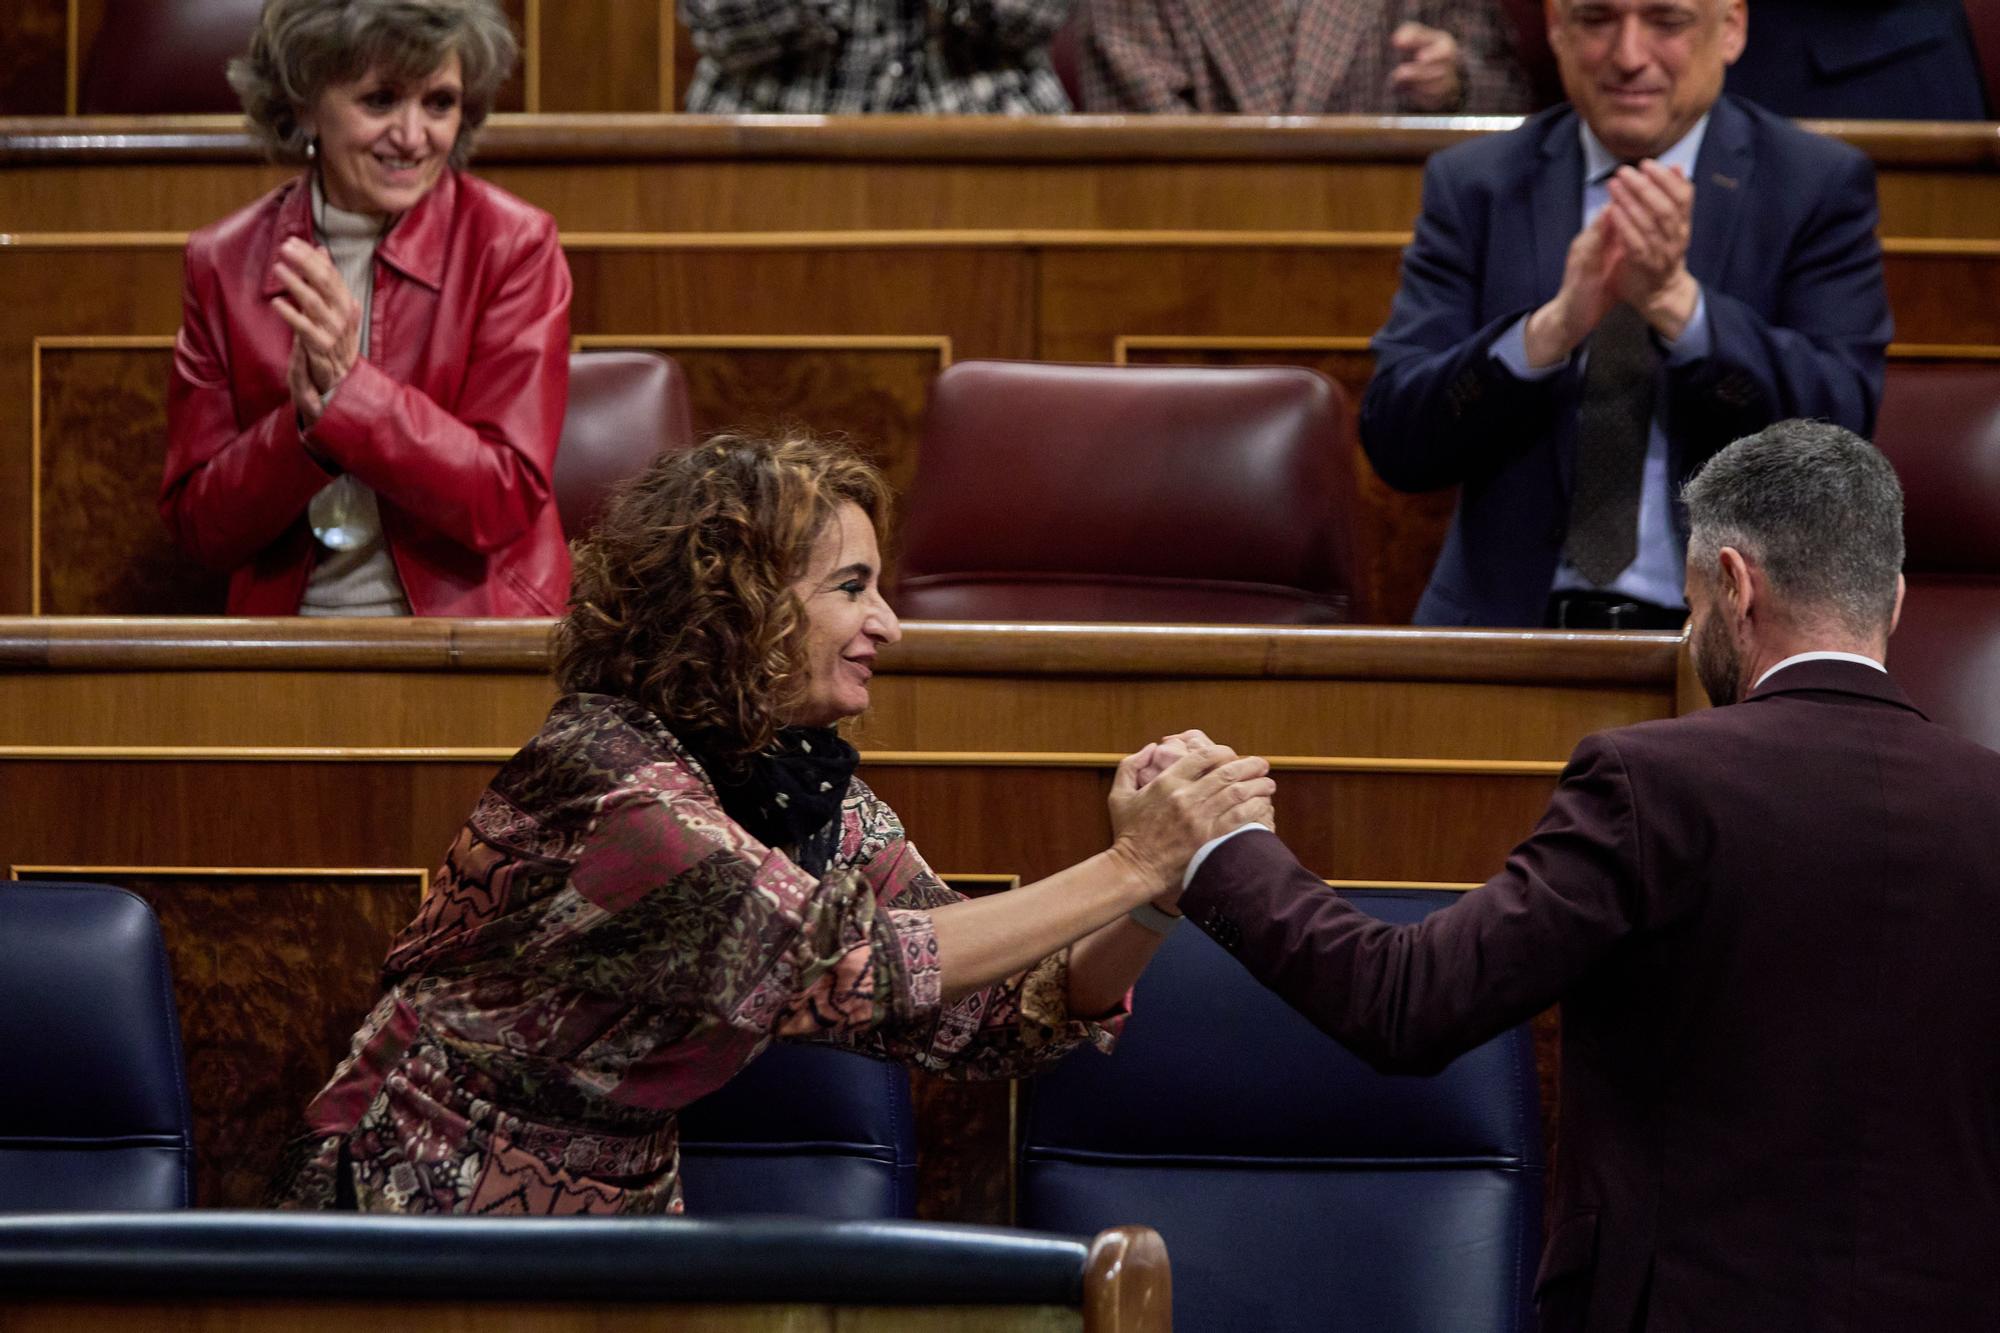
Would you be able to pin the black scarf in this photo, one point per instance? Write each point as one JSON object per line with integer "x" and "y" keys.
{"x": 789, "y": 795}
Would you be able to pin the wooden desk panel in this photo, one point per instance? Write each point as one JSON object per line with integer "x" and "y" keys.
{"x": 822, "y": 270}
{"x": 276, "y": 786}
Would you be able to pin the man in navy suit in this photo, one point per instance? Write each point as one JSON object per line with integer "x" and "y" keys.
{"x": 1770, "y": 926}
{"x": 1596, "y": 302}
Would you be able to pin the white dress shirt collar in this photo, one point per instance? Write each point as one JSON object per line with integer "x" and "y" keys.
{"x": 1598, "y": 161}
{"x": 1797, "y": 658}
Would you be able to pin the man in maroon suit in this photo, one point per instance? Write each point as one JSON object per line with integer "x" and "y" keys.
{"x": 1771, "y": 927}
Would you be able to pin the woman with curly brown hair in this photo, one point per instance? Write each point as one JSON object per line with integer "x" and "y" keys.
{"x": 682, "y": 867}
{"x": 373, "y": 359}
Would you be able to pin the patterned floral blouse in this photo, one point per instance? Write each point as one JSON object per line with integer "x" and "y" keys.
{"x": 602, "y": 947}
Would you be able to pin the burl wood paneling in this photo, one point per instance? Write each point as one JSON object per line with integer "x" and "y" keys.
{"x": 1396, "y": 535}
{"x": 34, "y": 37}
{"x": 601, "y": 55}
{"x": 108, "y": 290}
{"x": 272, "y": 973}
{"x": 872, "y": 395}
{"x": 104, "y": 550}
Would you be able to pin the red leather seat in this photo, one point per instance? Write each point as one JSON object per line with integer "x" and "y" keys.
{"x": 625, "y": 408}
{"x": 165, "y": 57}
{"x": 1131, "y": 493}
{"x": 1940, "y": 426}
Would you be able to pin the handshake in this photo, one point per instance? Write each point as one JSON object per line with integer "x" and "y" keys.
{"x": 1175, "y": 795}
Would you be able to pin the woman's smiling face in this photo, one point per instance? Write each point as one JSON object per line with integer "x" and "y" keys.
{"x": 383, "y": 143}
{"x": 846, "y": 619}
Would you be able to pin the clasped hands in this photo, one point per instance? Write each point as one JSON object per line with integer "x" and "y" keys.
{"x": 1635, "y": 252}
{"x": 325, "y": 320}
{"x": 1176, "y": 794}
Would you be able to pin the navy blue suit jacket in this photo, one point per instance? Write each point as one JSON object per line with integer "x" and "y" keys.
{"x": 1862, "y": 60}
{"x": 1784, "y": 247}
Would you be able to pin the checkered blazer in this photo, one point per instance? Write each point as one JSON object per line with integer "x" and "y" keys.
{"x": 1251, "y": 55}
{"x": 829, "y": 57}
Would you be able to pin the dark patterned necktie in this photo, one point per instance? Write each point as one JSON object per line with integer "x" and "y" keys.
{"x": 1613, "y": 422}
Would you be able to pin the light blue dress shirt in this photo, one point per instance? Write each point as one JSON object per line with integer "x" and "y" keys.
{"x": 1658, "y": 572}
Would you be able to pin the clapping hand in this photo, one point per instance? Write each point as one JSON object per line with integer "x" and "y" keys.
{"x": 325, "y": 320}
{"x": 1431, "y": 74}
{"x": 1652, "y": 216}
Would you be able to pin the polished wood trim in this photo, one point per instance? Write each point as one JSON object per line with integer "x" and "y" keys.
{"x": 438, "y": 754}
{"x": 1006, "y": 238}
{"x": 993, "y": 883}
{"x": 276, "y": 754}
{"x": 531, "y": 56}
{"x": 109, "y": 643}
{"x": 1950, "y": 246}
{"x": 940, "y": 343}
{"x": 1528, "y": 657}
{"x": 1689, "y": 694}
{"x": 1198, "y": 342}
{"x": 71, "y": 61}
{"x": 1285, "y": 762}
{"x": 67, "y": 342}
{"x": 1491, "y": 656}
{"x": 245, "y": 872}
{"x": 1943, "y": 352}
{"x": 1128, "y": 1283}
{"x": 525, "y": 137}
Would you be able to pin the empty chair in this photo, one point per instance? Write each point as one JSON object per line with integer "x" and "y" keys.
{"x": 162, "y": 57}
{"x": 807, "y": 1131}
{"x": 93, "y": 1101}
{"x": 1294, "y": 1186}
{"x": 1133, "y": 493}
{"x": 625, "y": 409}
{"x": 1940, "y": 426}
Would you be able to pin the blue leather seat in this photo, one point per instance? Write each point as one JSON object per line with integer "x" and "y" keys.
{"x": 806, "y": 1131}
{"x": 1294, "y": 1186}
{"x": 93, "y": 1101}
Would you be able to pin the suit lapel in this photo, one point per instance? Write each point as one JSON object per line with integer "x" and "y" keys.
{"x": 1722, "y": 174}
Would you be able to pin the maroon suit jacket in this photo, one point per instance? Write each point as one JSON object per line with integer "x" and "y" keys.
{"x": 1772, "y": 930}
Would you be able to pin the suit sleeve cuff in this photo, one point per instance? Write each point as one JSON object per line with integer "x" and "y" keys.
{"x": 1696, "y": 341}
{"x": 1201, "y": 852}
{"x": 1510, "y": 349}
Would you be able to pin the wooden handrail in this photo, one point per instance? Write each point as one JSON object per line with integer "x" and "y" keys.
{"x": 511, "y": 138}
{"x": 52, "y": 643}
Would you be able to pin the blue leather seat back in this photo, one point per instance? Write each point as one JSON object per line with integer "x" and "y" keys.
{"x": 1295, "y": 1187}
{"x": 804, "y": 1130}
{"x": 93, "y": 1099}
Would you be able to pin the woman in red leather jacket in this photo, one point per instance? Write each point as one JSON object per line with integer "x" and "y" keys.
{"x": 372, "y": 366}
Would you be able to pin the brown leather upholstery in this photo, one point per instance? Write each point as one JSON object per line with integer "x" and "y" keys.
{"x": 625, "y": 408}
{"x": 1940, "y": 426}
{"x": 1138, "y": 493}
{"x": 159, "y": 57}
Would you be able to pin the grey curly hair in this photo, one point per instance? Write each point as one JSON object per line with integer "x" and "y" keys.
{"x": 302, "y": 47}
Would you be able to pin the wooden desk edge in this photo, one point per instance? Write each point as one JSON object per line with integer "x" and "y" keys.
{"x": 1494, "y": 656}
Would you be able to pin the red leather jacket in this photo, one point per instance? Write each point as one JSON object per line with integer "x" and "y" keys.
{"x": 452, "y": 418}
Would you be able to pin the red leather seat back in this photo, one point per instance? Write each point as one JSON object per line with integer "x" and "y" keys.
{"x": 1147, "y": 493}
{"x": 625, "y": 408}
{"x": 165, "y": 57}
{"x": 1940, "y": 426}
